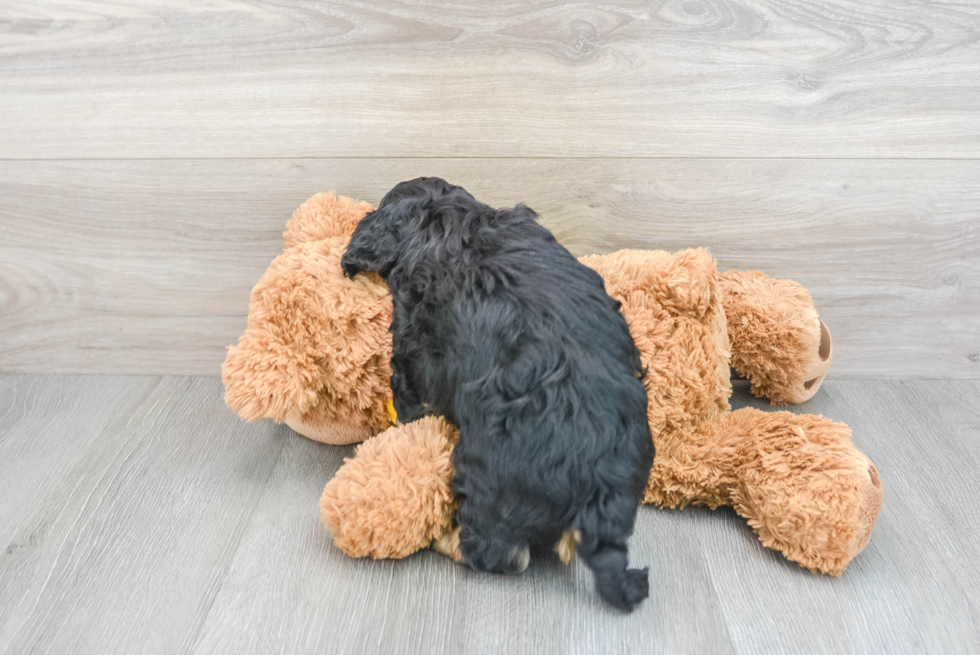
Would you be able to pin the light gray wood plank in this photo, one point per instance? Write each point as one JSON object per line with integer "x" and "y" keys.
{"x": 555, "y": 607}
{"x": 176, "y": 528}
{"x": 146, "y": 266}
{"x": 714, "y": 586}
{"x": 123, "y": 548}
{"x": 914, "y": 588}
{"x": 290, "y": 590}
{"x": 47, "y": 424}
{"x": 829, "y": 78}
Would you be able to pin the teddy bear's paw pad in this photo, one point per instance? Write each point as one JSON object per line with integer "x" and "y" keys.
{"x": 870, "y": 493}
{"x": 816, "y": 364}
{"x": 826, "y": 344}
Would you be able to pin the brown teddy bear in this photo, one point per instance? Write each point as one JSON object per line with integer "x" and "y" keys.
{"x": 316, "y": 356}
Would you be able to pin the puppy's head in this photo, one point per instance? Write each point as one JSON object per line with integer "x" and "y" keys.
{"x": 421, "y": 188}
{"x": 420, "y": 214}
{"x": 382, "y": 236}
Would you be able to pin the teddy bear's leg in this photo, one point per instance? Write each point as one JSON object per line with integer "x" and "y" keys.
{"x": 778, "y": 341}
{"x": 798, "y": 479}
{"x": 393, "y": 497}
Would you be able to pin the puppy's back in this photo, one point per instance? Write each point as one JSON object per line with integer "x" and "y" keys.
{"x": 552, "y": 405}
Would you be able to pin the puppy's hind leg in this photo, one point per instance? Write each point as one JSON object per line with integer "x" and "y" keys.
{"x": 448, "y": 545}
{"x": 603, "y": 547}
{"x": 487, "y": 547}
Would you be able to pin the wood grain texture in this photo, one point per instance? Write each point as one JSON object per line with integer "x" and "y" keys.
{"x": 729, "y": 78}
{"x": 290, "y": 591}
{"x": 129, "y": 496}
{"x": 146, "y": 266}
{"x": 161, "y": 524}
{"x": 915, "y": 587}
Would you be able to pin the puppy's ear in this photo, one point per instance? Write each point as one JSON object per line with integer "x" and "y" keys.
{"x": 376, "y": 243}
{"x": 517, "y": 215}
{"x": 525, "y": 213}
{"x": 372, "y": 246}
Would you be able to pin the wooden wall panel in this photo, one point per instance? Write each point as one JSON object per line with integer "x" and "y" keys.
{"x": 721, "y": 78}
{"x": 146, "y": 266}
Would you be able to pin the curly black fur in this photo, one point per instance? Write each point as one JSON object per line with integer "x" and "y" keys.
{"x": 499, "y": 329}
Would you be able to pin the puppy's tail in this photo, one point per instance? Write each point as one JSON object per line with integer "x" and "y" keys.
{"x": 607, "y": 556}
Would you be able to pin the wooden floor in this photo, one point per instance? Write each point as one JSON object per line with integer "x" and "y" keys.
{"x": 137, "y": 514}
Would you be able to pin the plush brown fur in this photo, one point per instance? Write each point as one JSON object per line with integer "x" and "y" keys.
{"x": 316, "y": 353}
{"x": 316, "y": 350}
{"x": 399, "y": 487}
{"x": 779, "y": 342}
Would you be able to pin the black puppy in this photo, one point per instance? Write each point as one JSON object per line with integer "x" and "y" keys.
{"x": 499, "y": 329}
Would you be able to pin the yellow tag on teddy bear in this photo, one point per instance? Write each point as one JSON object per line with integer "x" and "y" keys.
{"x": 392, "y": 414}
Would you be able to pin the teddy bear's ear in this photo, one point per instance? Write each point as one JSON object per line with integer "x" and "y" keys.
{"x": 323, "y": 216}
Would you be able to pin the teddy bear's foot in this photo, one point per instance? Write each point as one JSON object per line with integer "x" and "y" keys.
{"x": 778, "y": 341}
{"x": 820, "y": 363}
{"x": 815, "y": 362}
{"x": 392, "y": 497}
{"x": 804, "y": 488}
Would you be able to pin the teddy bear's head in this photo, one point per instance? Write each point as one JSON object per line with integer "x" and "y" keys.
{"x": 316, "y": 351}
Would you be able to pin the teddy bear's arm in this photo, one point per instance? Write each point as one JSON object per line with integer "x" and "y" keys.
{"x": 393, "y": 497}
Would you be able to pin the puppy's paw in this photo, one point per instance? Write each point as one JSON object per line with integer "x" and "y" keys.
{"x": 448, "y": 545}
{"x": 496, "y": 557}
{"x": 520, "y": 557}
{"x": 625, "y": 590}
{"x": 566, "y": 545}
